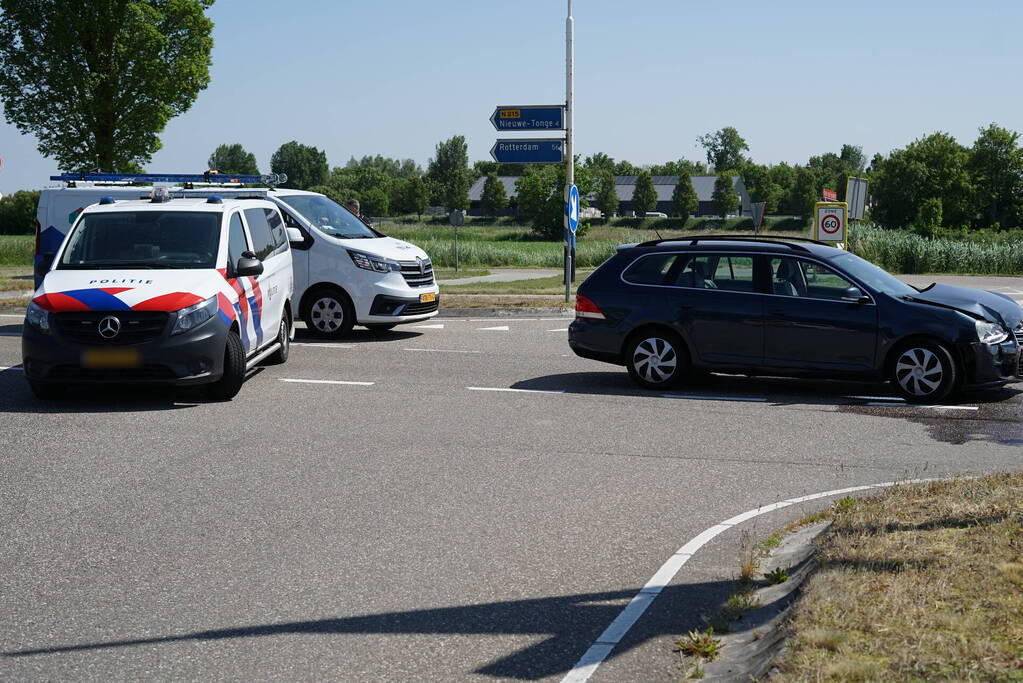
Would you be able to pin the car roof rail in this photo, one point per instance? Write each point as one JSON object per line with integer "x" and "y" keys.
{"x": 694, "y": 239}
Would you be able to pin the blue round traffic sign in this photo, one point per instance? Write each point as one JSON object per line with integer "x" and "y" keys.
{"x": 572, "y": 208}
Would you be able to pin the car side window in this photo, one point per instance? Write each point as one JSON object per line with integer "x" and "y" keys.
{"x": 698, "y": 272}
{"x": 651, "y": 269}
{"x": 259, "y": 230}
{"x": 796, "y": 277}
{"x": 276, "y": 223}
{"x": 236, "y": 242}
{"x": 734, "y": 273}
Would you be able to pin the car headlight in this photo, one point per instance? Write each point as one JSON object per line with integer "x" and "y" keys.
{"x": 368, "y": 262}
{"x": 193, "y": 316}
{"x": 991, "y": 333}
{"x": 38, "y": 317}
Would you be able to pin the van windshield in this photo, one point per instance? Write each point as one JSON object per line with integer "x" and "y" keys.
{"x": 330, "y": 217}
{"x": 143, "y": 239}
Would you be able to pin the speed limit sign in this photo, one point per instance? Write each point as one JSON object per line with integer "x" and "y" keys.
{"x": 829, "y": 224}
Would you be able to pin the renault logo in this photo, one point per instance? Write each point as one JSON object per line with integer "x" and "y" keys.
{"x": 422, "y": 265}
{"x": 109, "y": 327}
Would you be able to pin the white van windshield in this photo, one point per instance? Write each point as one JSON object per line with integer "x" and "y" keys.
{"x": 143, "y": 239}
{"x": 330, "y": 217}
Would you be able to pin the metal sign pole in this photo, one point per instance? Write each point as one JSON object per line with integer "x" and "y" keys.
{"x": 569, "y": 156}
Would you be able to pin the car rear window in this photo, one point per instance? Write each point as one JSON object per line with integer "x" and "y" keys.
{"x": 651, "y": 269}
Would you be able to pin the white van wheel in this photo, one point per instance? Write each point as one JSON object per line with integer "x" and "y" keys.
{"x": 329, "y": 313}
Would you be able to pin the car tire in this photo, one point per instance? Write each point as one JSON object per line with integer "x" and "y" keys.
{"x": 329, "y": 313}
{"x": 47, "y": 391}
{"x": 381, "y": 327}
{"x": 657, "y": 359}
{"x": 923, "y": 371}
{"x": 284, "y": 339}
{"x": 230, "y": 383}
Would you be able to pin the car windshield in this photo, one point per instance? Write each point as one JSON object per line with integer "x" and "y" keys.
{"x": 872, "y": 276}
{"x": 330, "y": 217}
{"x": 143, "y": 239}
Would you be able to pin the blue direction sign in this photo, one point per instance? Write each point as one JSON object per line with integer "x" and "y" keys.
{"x": 572, "y": 208}
{"x": 529, "y": 151}
{"x": 541, "y": 117}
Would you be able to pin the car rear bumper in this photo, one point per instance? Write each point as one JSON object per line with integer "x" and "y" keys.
{"x": 595, "y": 342}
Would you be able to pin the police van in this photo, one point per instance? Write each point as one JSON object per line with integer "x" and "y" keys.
{"x": 346, "y": 272}
{"x": 178, "y": 291}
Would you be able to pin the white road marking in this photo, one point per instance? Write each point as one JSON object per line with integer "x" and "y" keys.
{"x": 747, "y": 399}
{"x": 10, "y": 367}
{"x": 613, "y": 634}
{"x": 429, "y": 327}
{"x": 499, "y": 328}
{"x": 323, "y": 345}
{"x": 518, "y": 391}
{"x": 11, "y": 315}
{"x": 878, "y": 398}
{"x": 329, "y": 381}
{"x": 444, "y": 350}
{"x": 915, "y": 405}
{"x": 560, "y": 329}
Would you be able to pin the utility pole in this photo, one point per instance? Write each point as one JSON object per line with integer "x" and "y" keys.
{"x": 569, "y": 154}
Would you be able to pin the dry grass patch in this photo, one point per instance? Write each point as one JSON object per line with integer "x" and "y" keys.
{"x": 920, "y": 583}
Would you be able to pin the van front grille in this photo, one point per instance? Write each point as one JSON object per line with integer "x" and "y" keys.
{"x": 417, "y": 273}
{"x": 134, "y": 327}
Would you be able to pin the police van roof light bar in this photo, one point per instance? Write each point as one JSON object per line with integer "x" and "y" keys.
{"x": 211, "y": 177}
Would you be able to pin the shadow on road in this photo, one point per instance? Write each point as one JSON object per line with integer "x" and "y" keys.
{"x": 570, "y": 623}
{"x": 356, "y": 336}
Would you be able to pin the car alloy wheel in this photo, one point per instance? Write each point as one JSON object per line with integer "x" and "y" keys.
{"x": 924, "y": 371}
{"x": 654, "y": 361}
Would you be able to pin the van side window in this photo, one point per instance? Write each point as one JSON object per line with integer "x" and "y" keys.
{"x": 650, "y": 270}
{"x": 259, "y": 229}
{"x": 236, "y": 242}
{"x": 273, "y": 217}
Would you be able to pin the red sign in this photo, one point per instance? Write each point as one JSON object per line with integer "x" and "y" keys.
{"x": 829, "y": 195}
{"x": 831, "y": 224}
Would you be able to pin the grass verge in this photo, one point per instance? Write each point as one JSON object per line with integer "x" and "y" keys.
{"x": 17, "y": 250}
{"x": 452, "y": 274}
{"x": 920, "y": 583}
{"x": 502, "y": 301}
{"x": 543, "y": 285}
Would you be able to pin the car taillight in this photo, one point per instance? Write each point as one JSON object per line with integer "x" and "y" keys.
{"x": 585, "y": 308}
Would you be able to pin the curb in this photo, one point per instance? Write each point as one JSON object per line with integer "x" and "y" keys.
{"x": 505, "y": 312}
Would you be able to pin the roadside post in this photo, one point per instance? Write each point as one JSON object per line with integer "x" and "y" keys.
{"x": 830, "y": 222}
{"x": 570, "y": 187}
{"x": 456, "y": 218}
{"x": 572, "y": 220}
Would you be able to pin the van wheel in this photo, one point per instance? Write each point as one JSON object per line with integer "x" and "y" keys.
{"x": 284, "y": 339}
{"x": 380, "y": 327}
{"x": 657, "y": 359}
{"x": 46, "y": 390}
{"x": 230, "y": 383}
{"x": 329, "y": 313}
{"x": 923, "y": 371}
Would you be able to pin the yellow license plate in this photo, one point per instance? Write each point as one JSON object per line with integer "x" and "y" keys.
{"x": 428, "y": 297}
{"x": 111, "y": 358}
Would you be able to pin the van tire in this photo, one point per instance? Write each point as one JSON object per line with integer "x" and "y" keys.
{"x": 47, "y": 391}
{"x": 284, "y": 339}
{"x": 230, "y": 383}
{"x": 328, "y": 313}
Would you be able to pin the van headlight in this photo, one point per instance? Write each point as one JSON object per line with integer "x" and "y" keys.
{"x": 38, "y": 317}
{"x": 990, "y": 333}
{"x": 193, "y": 316}
{"x": 368, "y": 262}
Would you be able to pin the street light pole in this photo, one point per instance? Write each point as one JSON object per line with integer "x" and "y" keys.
{"x": 569, "y": 156}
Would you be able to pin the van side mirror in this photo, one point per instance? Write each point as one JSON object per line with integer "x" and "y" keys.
{"x": 855, "y": 295}
{"x": 295, "y": 235}
{"x": 248, "y": 265}
{"x": 42, "y": 267}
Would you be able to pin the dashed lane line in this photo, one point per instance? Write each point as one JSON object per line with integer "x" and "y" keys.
{"x": 323, "y": 345}
{"x": 444, "y": 351}
{"x": 499, "y": 328}
{"x": 12, "y": 368}
{"x": 916, "y": 405}
{"x": 328, "y": 381}
{"x": 746, "y": 399}
{"x": 429, "y": 327}
{"x": 560, "y": 329}
{"x": 518, "y": 391}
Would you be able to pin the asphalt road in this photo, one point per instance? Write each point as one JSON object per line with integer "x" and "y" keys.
{"x": 385, "y": 509}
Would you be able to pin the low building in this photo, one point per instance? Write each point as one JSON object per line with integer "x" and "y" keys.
{"x": 625, "y": 185}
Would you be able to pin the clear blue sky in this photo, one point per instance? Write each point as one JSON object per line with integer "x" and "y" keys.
{"x": 394, "y": 77}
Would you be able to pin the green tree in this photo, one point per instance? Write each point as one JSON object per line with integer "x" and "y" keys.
{"x": 449, "y": 170}
{"x": 599, "y": 163}
{"x": 784, "y": 177}
{"x": 411, "y": 196}
{"x": 928, "y": 217}
{"x": 625, "y": 168}
{"x": 680, "y": 168}
{"x": 683, "y": 199}
{"x": 761, "y": 187}
{"x": 18, "y": 213}
{"x": 96, "y": 82}
{"x": 644, "y": 197}
{"x": 724, "y": 149}
{"x": 233, "y": 159}
{"x": 853, "y": 159}
{"x": 805, "y": 190}
{"x": 533, "y": 189}
{"x": 607, "y": 194}
{"x": 725, "y": 199}
{"x": 541, "y": 194}
{"x": 996, "y": 169}
{"x": 374, "y": 202}
{"x": 339, "y": 195}
{"x": 494, "y": 199}
{"x": 306, "y": 166}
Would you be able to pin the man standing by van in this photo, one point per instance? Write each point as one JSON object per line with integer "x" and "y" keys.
{"x": 353, "y": 206}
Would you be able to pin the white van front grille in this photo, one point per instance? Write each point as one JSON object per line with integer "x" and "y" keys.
{"x": 417, "y": 273}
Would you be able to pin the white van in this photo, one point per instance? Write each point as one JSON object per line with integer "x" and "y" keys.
{"x": 171, "y": 291}
{"x": 346, "y": 272}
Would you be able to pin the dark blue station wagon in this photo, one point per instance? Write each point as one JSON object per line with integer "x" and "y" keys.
{"x": 750, "y": 305}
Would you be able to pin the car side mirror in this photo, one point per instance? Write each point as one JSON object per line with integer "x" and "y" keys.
{"x": 855, "y": 295}
{"x": 43, "y": 266}
{"x": 248, "y": 265}
{"x": 295, "y": 235}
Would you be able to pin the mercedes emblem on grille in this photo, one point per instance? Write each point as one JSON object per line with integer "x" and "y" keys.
{"x": 109, "y": 327}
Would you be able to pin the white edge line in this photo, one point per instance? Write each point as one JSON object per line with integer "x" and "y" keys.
{"x": 10, "y": 367}
{"x": 562, "y": 329}
{"x": 518, "y": 391}
{"x": 915, "y": 405}
{"x": 444, "y": 350}
{"x": 323, "y": 345}
{"x": 630, "y": 614}
{"x": 893, "y": 399}
{"x": 328, "y": 381}
{"x": 716, "y": 398}
{"x": 11, "y": 315}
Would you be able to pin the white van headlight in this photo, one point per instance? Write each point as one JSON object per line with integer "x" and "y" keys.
{"x": 990, "y": 333}
{"x": 38, "y": 317}
{"x": 193, "y": 316}
{"x": 368, "y": 262}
